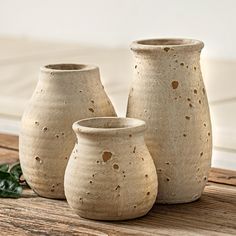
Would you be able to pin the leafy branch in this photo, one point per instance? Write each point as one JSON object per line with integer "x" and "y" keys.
{"x": 10, "y": 180}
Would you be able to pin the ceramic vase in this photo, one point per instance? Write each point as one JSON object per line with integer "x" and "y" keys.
{"x": 64, "y": 94}
{"x": 110, "y": 174}
{"x": 169, "y": 94}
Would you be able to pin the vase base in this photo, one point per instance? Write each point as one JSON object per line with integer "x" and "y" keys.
{"x": 177, "y": 201}
{"x": 58, "y": 196}
{"x": 111, "y": 218}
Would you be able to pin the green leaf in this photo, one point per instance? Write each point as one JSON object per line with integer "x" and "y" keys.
{"x": 16, "y": 171}
{"x": 4, "y": 167}
{"x": 9, "y": 186}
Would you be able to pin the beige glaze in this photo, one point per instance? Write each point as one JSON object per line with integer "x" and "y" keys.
{"x": 169, "y": 94}
{"x": 110, "y": 174}
{"x": 64, "y": 94}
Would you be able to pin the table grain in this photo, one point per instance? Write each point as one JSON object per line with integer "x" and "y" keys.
{"x": 213, "y": 214}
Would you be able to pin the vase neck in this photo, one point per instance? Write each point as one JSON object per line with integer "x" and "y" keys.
{"x": 167, "y": 45}
{"x": 165, "y": 51}
{"x": 70, "y": 78}
{"x": 166, "y": 61}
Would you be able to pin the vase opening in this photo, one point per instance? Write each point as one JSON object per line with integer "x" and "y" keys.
{"x": 67, "y": 67}
{"x": 166, "y": 44}
{"x": 109, "y": 125}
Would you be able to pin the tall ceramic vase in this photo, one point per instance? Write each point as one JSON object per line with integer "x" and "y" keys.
{"x": 169, "y": 94}
{"x": 64, "y": 94}
{"x": 110, "y": 174}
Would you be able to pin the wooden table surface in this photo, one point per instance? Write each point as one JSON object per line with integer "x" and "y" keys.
{"x": 213, "y": 214}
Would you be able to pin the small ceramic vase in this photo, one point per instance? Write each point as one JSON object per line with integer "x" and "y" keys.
{"x": 64, "y": 94}
{"x": 169, "y": 94}
{"x": 110, "y": 174}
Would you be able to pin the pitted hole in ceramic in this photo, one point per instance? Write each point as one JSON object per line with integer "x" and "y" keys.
{"x": 175, "y": 84}
{"x": 117, "y": 187}
{"x": 115, "y": 166}
{"x": 106, "y": 156}
{"x": 45, "y": 129}
{"x": 166, "y": 49}
{"x": 91, "y": 109}
{"x": 38, "y": 159}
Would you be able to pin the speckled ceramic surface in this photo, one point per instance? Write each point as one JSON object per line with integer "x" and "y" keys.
{"x": 169, "y": 94}
{"x": 110, "y": 174}
{"x": 64, "y": 94}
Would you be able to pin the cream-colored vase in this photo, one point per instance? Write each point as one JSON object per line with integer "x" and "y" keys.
{"x": 64, "y": 94}
{"x": 110, "y": 174}
{"x": 169, "y": 94}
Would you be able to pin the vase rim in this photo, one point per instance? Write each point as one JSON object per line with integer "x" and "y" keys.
{"x": 109, "y": 126}
{"x": 166, "y": 44}
{"x": 67, "y": 67}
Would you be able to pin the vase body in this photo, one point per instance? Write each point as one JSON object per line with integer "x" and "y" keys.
{"x": 110, "y": 174}
{"x": 64, "y": 94}
{"x": 169, "y": 94}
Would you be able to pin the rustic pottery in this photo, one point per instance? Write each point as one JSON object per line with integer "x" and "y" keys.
{"x": 64, "y": 94}
{"x": 169, "y": 94}
{"x": 110, "y": 174}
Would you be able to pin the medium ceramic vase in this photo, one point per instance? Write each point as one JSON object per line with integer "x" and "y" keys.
{"x": 169, "y": 94}
{"x": 110, "y": 174}
{"x": 64, "y": 94}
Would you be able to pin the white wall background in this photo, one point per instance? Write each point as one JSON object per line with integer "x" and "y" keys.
{"x": 115, "y": 23}
{"x": 109, "y": 26}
